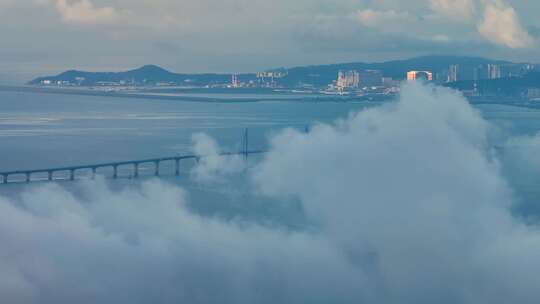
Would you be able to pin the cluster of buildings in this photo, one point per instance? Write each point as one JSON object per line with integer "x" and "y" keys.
{"x": 76, "y": 82}
{"x": 359, "y": 79}
{"x": 360, "y": 82}
{"x": 469, "y": 78}
{"x": 457, "y": 72}
{"x": 268, "y": 79}
{"x": 350, "y": 79}
{"x": 79, "y": 81}
{"x": 366, "y": 82}
{"x": 371, "y": 82}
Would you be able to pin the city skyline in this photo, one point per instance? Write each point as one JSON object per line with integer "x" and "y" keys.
{"x": 478, "y": 79}
{"x": 441, "y": 69}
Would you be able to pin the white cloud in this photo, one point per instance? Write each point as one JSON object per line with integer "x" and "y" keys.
{"x": 501, "y": 25}
{"x": 405, "y": 204}
{"x": 290, "y": 33}
{"x": 459, "y": 10}
{"x": 441, "y": 38}
{"x": 385, "y": 20}
{"x": 85, "y": 12}
{"x": 213, "y": 167}
{"x": 143, "y": 245}
{"x": 413, "y": 186}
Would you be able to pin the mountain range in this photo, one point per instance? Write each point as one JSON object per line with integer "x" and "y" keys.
{"x": 316, "y": 75}
{"x": 148, "y": 74}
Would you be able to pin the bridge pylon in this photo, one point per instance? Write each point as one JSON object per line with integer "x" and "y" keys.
{"x": 245, "y": 144}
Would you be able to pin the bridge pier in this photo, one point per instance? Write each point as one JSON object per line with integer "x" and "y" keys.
{"x": 156, "y": 163}
{"x": 136, "y": 170}
{"x": 69, "y": 173}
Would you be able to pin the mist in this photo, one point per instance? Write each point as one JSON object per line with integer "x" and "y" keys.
{"x": 213, "y": 167}
{"x": 408, "y": 202}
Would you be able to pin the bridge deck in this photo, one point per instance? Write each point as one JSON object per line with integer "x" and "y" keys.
{"x": 156, "y": 161}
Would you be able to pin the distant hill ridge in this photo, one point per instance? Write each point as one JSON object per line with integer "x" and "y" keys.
{"x": 317, "y": 75}
{"x": 150, "y": 74}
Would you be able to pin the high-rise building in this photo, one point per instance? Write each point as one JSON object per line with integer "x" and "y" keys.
{"x": 350, "y": 79}
{"x": 234, "y": 81}
{"x": 268, "y": 78}
{"x": 420, "y": 75}
{"x": 494, "y": 71}
{"x": 461, "y": 72}
{"x": 453, "y": 72}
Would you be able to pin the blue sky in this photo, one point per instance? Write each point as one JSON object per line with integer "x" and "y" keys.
{"x": 48, "y": 36}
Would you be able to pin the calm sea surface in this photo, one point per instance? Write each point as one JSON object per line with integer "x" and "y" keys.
{"x": 46, "y": 130}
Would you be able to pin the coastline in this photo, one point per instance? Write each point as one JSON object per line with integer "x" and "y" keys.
{"x": 89, "y": 92}
{"x": 190, "y": 98}
{"x": 151, "y": 94}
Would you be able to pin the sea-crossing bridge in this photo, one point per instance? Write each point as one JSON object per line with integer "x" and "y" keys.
{"x": 134, "y": 164}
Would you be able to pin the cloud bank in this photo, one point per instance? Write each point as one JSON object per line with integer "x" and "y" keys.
{"x": 241, "y": 36}
{"x": 459, "y": 10}
{"x": 85, "y": 12}
{"x": 213, "y": 167}
{"x": 390, "y": 19}
{"x": 407, "y": 204}
{"x": 501, "y": 25}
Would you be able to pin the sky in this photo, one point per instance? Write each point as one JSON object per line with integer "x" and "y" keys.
{"x": 49, "y": 36}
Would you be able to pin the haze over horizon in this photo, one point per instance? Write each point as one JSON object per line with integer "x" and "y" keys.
{"x": 49, "y": 36}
